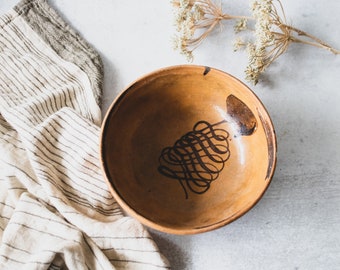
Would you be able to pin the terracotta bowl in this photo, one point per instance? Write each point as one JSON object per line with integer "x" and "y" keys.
{"x": 187, "y": 149}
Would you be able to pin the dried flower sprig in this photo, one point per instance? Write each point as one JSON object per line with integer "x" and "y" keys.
{"x": 272, "y": 37}
{"x": 196, "y": 19}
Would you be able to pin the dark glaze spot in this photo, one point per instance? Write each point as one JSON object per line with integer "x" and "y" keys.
{"x": 242, "y": 115}
{"x": 206, "y": 70}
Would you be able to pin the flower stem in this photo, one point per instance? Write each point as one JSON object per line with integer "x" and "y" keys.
{"x": 236, "y": 17}
{"x": 316, "y": 41}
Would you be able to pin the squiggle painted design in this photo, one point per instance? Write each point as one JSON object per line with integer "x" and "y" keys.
{"x": 197, "y": 158}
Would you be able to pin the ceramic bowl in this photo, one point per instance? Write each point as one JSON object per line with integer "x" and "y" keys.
{"x": 187, "y": 149}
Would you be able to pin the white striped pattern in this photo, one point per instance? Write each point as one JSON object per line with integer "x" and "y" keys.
{"x": 55, "y": 209}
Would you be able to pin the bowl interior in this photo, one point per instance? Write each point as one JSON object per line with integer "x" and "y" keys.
{"x": 187, "y": 149}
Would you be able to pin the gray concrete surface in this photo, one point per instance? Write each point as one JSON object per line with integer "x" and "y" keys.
{"x": 296, "y": 225}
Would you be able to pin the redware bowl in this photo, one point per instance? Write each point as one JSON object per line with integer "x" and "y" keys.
{"x": 187, "y": 149}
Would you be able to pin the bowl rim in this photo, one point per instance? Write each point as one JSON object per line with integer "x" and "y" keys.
{"x": 134, "y": 213}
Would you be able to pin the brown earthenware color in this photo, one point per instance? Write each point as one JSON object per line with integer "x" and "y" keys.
{"x": 187, "y": 149}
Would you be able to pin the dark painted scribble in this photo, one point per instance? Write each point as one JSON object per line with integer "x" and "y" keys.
{"x": 197, "y": 158}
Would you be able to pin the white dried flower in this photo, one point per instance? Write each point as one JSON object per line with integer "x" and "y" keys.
{"x": 264, "y": 38}
{"x": 238, "y": 44}
{"x": 240, "y": 25}
{"x": 187, "y": 14}
{"x": 195, "y": 20}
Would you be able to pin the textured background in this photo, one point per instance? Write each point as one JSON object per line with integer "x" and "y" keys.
{"x": 296, "y": 225}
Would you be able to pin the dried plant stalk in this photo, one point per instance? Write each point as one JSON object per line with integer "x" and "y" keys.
{"x": 195, "y": 20}
{"x": 272, "y": 38}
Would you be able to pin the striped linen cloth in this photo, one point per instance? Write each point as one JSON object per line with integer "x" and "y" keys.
{"x": 55, "y": 209}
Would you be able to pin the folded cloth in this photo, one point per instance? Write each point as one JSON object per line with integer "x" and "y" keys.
{"x": 55, "y": 209}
